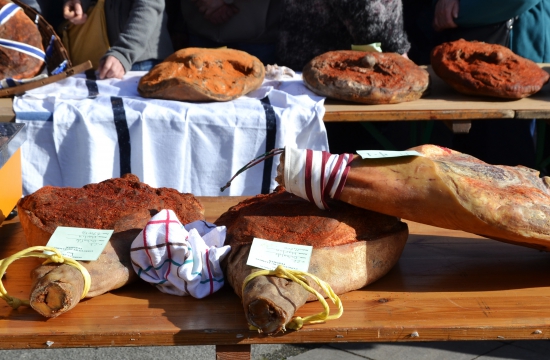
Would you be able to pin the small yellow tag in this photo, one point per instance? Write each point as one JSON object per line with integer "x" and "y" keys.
{"x": 374, "y": 47}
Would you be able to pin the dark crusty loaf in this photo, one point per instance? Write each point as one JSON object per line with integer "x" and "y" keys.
{"x": 366, "y": 77}
{"x": 477, "y": 68}
{"x": 104, "y": 205}
{"x": 15, "y": 64}
{"x": 197, "y": 74}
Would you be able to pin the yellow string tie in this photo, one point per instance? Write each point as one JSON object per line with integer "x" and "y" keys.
{"x": 38, "y": 251}
{"x": 300, "y": 278}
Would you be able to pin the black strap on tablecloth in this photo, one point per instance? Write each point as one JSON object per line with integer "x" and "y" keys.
{"x": 123, "y": 134}
{"x": 270, "y": 137}
{"x": 91, "y": 84}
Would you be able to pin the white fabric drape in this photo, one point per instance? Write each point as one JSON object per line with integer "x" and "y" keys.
{"x": 84, "y": 131}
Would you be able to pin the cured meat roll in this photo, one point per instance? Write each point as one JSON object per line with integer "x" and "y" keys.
{"x": 440, "y": 187}
{"x": 352, "y": 247}
{"x": 121, "y": 204}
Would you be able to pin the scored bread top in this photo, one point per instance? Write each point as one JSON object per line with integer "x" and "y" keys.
{"x": 103, "y": 205}
{"x": 284, "y": 217}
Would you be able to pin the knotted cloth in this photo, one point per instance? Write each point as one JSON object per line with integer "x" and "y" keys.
{"x": 180, "y": 260}
{"x": 315, "y": 175}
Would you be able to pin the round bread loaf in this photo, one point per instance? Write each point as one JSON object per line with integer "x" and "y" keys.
{"x": 15, "y": 64}
{"x": 481, "y": 69}
{"x": 197, "y": 74}
{"x": 366, "y": 77}
{"x": 352, "y": 247}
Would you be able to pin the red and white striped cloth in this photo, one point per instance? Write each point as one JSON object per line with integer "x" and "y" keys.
{"x": 180, "y": 260}
{"x": 315, "y": 175}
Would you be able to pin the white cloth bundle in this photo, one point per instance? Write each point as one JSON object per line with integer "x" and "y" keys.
{"x": 82, "y": 131}
{"x": 180, "y": 260}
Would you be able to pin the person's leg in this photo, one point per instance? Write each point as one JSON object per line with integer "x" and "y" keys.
{"x": 499, "y": 142}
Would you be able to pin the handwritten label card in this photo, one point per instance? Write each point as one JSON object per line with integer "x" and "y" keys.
{"x": 377, "y": 154}
{"x": 265, "y": 254}
{"x": 79, "y": 243}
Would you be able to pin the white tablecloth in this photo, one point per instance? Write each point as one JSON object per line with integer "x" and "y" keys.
{"x": 81, "y": 130}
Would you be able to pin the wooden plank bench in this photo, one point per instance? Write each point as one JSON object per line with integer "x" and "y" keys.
{"x": 448, "y": 285}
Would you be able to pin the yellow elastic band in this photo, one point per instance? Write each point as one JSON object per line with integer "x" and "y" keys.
{"x": 38, "y": 251}
{"x": 300, "y": 278}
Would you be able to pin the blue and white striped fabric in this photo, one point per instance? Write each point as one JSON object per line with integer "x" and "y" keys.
{"x": 23, "y": 48}
{"x": 9, "y": 82}
{"x": 82, "y": 130}
{"x": 7, "y": 11}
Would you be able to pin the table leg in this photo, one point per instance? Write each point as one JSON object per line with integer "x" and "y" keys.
{"x": 233, "y": 352}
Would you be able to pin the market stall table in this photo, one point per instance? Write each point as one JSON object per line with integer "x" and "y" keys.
{"x": 448, "y": 285}
{"x": 445, "y": 104}
{"x": 442, "y": 103}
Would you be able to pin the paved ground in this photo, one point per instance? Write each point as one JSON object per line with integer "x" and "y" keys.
{"x": 449, "y": 350}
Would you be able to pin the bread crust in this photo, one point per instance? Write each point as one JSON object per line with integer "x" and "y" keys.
{"x": 481, "y": 69}
{"x": 15, "y": 64}
{"x": 366, "y": 77}
{"x": 197, "y": 74}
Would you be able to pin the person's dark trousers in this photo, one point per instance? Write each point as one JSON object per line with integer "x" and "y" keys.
{"x": 499, "y": 142}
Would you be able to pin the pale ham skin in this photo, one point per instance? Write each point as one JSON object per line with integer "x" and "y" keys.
{"x": 448, "y": 189}
{"x": 352, "y": 248}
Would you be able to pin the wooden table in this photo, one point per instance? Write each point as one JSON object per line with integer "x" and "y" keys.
{"x": 448, "y": 285}
{"x": 441, "y": 103}
{"x": 445, "y": 104}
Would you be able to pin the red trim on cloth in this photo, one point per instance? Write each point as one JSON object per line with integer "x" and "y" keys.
{"x": 343, "y": 179}
{"x": 324, "y": 158}
{"x": 333, "y": 174}
{"x": 163, "y": 222}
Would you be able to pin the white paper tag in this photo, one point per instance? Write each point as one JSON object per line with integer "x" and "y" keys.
{"x": 265, "y": 254}
{"x": 79, "y": 243}
{"x": 376, "y": 154}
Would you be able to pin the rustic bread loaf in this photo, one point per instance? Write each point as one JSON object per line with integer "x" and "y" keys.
{"x": 197, "y": 74}
{"x": 122, "y": 204}
{"x": 352, "y": 247}
{"x": 15, "y": 64}
{"x": 366, "y": 77}
{"x": 481, "y": 69}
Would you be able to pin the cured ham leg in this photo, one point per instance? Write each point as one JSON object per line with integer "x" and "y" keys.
{"x": 352, "y": 247}
{"x": 442, "y": 188}
{"x": 120, "y": 204}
